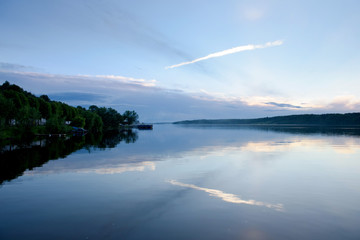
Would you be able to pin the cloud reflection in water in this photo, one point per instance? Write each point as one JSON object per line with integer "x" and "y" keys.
{"x": 227, "y": 197}
{"x": 106, "y": 169}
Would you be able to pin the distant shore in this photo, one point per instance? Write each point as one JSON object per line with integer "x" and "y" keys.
{"x": 333, "y": 119}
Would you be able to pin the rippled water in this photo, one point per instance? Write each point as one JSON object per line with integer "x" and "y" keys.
{"x": 179, "y": 182}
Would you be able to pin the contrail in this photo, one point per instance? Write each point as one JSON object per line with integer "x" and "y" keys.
{"x": 230, "y": 51}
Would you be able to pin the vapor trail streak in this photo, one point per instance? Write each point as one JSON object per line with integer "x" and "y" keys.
{"x": 229, "y": 51}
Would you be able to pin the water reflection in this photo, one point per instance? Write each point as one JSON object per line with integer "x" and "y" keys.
{"x": 16, "y": 159}
{"x": 110, "y": 139}
{"x": 180, "y": 140}
{"x": 293, "y": 129}
{"x": 167, "y": 140}
{"x": 346, "y": 146}
{"x": 228, "y": 197}
{"x": 104, "y": 169}
{"x": 251, "y": 183}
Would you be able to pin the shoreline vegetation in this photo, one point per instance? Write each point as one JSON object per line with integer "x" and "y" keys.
{"x": 315, "y": 120}
{"x": 24, "y": 115}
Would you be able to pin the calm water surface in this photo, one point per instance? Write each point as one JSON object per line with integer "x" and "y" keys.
{"x": 179, "y": 182}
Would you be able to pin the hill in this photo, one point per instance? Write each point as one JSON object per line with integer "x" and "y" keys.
{"x": 334, "y": 119}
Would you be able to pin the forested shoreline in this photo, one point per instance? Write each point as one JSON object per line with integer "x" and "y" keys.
{"x": 22, "y": 114}
{"x": 333, "y": 119}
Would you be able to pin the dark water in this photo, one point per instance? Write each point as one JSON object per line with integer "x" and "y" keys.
{"x": 180, "y": 182}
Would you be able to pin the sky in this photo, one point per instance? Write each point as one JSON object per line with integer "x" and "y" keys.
{"x": 177, "y": 60}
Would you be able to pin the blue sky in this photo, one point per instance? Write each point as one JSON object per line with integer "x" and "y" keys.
{"x": 244, "y": 59}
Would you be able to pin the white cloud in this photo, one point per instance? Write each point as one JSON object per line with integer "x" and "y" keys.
{"x": 140, "y": 81}
{"x": 157, "y": 104}
{"x": 348, "y": 102}
{"x": 229, "y": 51}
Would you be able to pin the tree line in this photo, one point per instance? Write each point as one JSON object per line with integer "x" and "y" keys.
{"x": 23, "y": 112}
{"x": 331, "y": 119}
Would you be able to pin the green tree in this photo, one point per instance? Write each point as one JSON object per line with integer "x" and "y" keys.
{"x": 110, "y": 117}
{"x": 44, "y": 108}
{"x": 7, "y": 110}
{"x": 34, "y": 102}
{"x": 130, "y": 117}
{"x": 3, "y": 110}
{"x": 27, "y": 109}
{"x": 93, "y": 108}
{"x": 98, "y": 124}
{"x": 56, "y": 109}
{"x": 45, "y": 98}
{"x": 78, "y": 121}
{"x": 55, "y": 124}
{"x": 27, "y": 116}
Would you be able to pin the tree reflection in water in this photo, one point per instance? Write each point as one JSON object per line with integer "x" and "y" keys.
{"x": 16, "y": 159}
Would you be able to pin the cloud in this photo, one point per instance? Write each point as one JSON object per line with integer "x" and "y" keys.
{"x": 227, "y": 197}
{"x": 85, "y": 81}
{"x": 4, "y": 66}
{"x": 229, "y": 51}
{"x": 152, "y": 103}
{"x": 140, "y": 81}
{"x": 345, "y": 102}
{"x": 157, "y": 104}
{"x": 283, "y": 105}
{"x": 78, "y": 98}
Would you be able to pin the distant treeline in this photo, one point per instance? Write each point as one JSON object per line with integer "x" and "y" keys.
{"x": 22, "y": 112}
{"x": 347, "y": 119}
